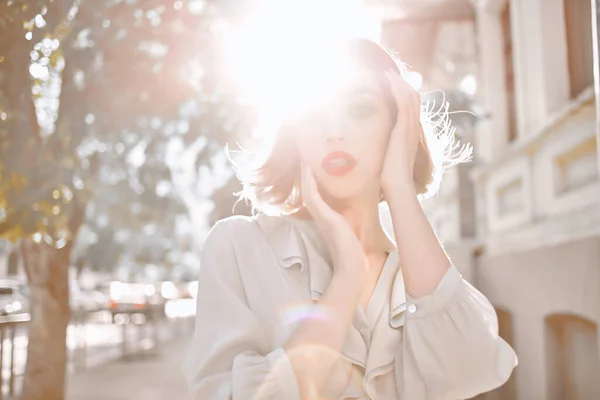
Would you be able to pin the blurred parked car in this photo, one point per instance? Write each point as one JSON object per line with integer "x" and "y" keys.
{"x": 156, "y": 297}
{"x": 14, "y": 298}
{"x": 86, "y": 300}
{"x": 129, "y": 297}
{"x": 169, "y": 291}
{"x": 188, "y": 290}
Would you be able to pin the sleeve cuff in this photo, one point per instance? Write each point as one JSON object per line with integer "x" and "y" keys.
{"x": 284, "y": 374}
{"x": 438, "y": 299}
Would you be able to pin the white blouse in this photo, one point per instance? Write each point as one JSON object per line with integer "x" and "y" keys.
{"x": 261, "y": 276}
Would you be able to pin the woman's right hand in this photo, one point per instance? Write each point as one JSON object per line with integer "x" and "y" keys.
{"x": 349, "y": 258}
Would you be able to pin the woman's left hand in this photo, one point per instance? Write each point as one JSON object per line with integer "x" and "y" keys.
{"x": 398, "y": 166}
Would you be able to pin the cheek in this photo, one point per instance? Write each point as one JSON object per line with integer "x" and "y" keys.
{"x": 386, "y": 125}
{"x": 374, "y": 146}
{"x": 310, "y": 140}
{"x": 308, "y": 149}
{"x": 383, "y": 140}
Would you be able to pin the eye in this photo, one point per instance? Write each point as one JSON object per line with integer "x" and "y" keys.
{"x": 311, "y": 123}
{"x": 362, "y": 108}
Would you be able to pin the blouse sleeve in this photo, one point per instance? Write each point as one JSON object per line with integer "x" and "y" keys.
{"x": 230, "y": 356}
{"x": 451, "y": 349}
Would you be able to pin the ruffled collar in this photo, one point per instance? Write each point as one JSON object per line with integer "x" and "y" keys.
{"x": 297, "y": 244}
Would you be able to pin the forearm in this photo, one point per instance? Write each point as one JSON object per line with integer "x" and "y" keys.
{"x": 315, "y": 346}
{"x": 424, "y": 262}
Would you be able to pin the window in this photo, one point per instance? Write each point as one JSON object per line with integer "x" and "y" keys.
{"x": 571, "y": 358}
{"x": 509, "y": 76}
{"x": 578, "y": 19}
{"x": 510, "y": 197}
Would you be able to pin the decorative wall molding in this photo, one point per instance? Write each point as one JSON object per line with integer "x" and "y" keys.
{"x": 577, "y": 167}
{"x": 531, "y": 143}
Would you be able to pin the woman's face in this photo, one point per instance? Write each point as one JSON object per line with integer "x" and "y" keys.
{"x": 345, "y": 139}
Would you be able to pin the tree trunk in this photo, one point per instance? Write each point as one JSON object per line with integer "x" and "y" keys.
{"x": 47, "y": 271}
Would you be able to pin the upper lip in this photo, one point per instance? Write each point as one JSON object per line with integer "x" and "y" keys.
{"x": 338, "y": 154}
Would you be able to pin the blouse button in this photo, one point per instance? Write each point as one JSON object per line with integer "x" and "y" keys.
{"x": 412, "y": 308}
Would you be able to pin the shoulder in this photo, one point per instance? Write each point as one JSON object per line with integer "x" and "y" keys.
{"x": 233, "y": 226}
{"x": 256, "y": 236}
{"x": 240, "y": 227}
{"x": 227, "y": 246}
{"x": 241, "y": 244}
{"x": 242, "y": 232}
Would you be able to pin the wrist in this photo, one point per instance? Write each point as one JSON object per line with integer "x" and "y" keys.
{"x": 352, "y": 282}
{"x": 400, "y": 186}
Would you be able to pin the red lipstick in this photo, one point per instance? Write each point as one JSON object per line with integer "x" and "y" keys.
{"x": 338, "y": 163}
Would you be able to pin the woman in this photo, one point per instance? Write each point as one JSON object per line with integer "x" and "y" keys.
{"x": 316, "y": 302}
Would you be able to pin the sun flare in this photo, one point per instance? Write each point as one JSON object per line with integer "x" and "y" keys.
{"x": 281, "y": 59}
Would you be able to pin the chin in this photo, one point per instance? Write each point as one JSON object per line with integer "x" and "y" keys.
{"x": 341, "y": 189}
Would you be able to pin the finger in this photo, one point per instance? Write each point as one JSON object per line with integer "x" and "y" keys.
{"x": 399, "y": 91}
{"x": 310, "y": 192}
{"x": 313, "y": 200}
{"x": 403, "y": 92}
{"x": 401, "y": 83}
{"x": 415, "y": 111}
{"x": 407, "y": 98}
{"x": 303, "y": 182}
{"x": 317, "y": 200}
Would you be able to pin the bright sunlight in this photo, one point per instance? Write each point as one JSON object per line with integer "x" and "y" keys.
{"x": 282, "y": 46}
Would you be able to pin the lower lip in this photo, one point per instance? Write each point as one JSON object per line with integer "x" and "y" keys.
{"x": 338, "y": 170}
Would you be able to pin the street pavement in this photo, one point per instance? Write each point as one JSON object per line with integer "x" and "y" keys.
{"x": 101, "y": 366}
{"x": 154, "y": 376}
{"x": 102, "y": 342}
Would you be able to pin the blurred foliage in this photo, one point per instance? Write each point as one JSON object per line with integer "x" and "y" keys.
{"x": 99, "y": 100}
{"x": 32, "y": 197}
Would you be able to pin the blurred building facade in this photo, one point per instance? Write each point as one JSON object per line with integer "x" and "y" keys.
{"x": 538, "y": 193}
{"x": 522, "y": 221}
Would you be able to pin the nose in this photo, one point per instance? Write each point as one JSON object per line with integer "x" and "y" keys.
{"x": 335, "y": 127}
{"x": 335, "y": 136}
{"x": 335, "y": 131}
